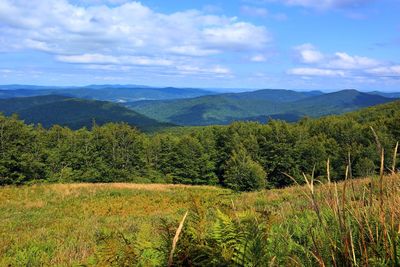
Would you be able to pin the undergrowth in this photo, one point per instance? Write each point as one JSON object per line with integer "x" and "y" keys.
{"x": 351, "y": 223}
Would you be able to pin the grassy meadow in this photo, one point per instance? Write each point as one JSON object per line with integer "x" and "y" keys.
{"x": 355, "y": 223}
{"x": 57, "y": 224}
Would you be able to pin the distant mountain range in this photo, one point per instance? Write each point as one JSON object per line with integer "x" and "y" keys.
{"x": 258, "y": 105}
{"x": 75, "y": 113}
{"x": 114, "y": 93}
{"x": 151, "y": 108}
{"x": 386, "y": 94}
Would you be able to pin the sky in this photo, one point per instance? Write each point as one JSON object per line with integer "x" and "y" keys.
{"x": 250, "y": 44}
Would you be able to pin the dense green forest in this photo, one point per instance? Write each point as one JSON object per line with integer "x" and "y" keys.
{"x": 106, "y": 92}
{"x": 256, "y": 106}
{"x": 75, "y": 113}
{"x": 242, "y": 156}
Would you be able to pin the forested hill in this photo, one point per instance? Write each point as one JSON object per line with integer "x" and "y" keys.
{"x": 242, "y": 156}
{"x": 257, "y": 105}
{"x": 113, "y": 93}
{"x": 337, "y": 103}
{"x": 75, "y": 113}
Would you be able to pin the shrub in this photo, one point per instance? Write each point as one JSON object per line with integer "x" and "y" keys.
{"x": 242, "y": 173}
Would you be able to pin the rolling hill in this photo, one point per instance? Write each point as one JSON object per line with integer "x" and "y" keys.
{"x": 386, "y": 94}
{"x": 75, "y": 113}
{"x": 114, "y": 93}
{"x": 258, "y": 105}
{"x": 337, "y": 103}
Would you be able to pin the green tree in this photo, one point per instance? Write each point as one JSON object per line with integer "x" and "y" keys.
{"x": 364, "y": 167}
{"x": 279, "y": 153}
{"x": 242, "y": 173}
{"x": 21, "y": 155}
{"x": 193, "y": 164}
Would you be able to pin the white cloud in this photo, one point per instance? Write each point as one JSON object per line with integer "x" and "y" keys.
{"x": 218, "y": 70}
{"x": 107, "y": 67}
{"x": 108, "y": 59}
{"x": 89, "y": 58}
{"x": 125, "y": 33}
{"x": 386, "y": 71}
{"x": 127, "y": 63}
{"x": 307, "y": 53}
{"x": 258, "y": 58}
{"x": 5, "y": 71}
{"x": 316, "y": 72}
{"x": 345, "y": 61}
{"x": 192, "y": 50}
{"x": 236, "y": 36}
{"x": 126, "y": 28}
{"x": 341, "y": 64}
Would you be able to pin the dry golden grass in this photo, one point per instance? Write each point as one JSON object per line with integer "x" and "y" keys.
{"x": 57, "y": 224}
{"x": 151, "y": 187}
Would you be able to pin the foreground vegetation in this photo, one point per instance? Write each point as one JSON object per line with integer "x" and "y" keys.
{"x": 243, "y": 156}
{"x": 352, "y": 223}
{"x": 65, "y": 224}
{"x": 332, "y": 219}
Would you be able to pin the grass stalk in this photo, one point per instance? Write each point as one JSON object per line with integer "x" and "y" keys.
{"x": 175, "y": 240}
{"x": 394, "y": 158}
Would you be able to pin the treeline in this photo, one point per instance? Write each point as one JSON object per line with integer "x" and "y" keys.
{"x": 243, "y": 155}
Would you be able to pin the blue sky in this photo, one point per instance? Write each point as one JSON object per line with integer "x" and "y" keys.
{"x": 293, "y": 44}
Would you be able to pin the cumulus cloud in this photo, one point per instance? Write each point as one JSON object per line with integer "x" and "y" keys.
{"x": 386, "y": 71}
{"x": 345, "y": 61}
{"x": 316, "y": 72}
{"x": 126, "y": 32}
{"x": 221, "y": 71}
{"x": 5, "y": 71}
{"x": 128, "y": 27}
{"x": 307, "y": 53}
{"x": 109, "y": 59}
{"x": 340, "y": 64}
{"x": 236, "y": 36}
{"x": 258, "y": 58}
{"x": 192, "y": 50}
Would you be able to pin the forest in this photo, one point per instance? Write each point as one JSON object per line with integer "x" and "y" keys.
{"x": 243, "y": 156}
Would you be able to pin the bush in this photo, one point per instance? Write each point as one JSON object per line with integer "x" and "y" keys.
{"x": 364, "y": 167}
{"x": 242, "y": 173}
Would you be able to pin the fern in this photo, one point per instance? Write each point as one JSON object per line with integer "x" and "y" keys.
{"x": 242, "y": 241}
{"x": 225, "y": 241}
{"x": 116, "y": 250}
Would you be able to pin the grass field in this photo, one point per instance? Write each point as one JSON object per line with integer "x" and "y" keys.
{"x": 57, "y": 224}
{"x": 63, "y": 224}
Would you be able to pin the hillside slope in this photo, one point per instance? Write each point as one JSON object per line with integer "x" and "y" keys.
{"x": 75, "y": 113}
{"x": 114, "y": 93}
{"x": 131, "y": 207}
{"x": 337, "y": 103}
{"x": 256, "y": 106}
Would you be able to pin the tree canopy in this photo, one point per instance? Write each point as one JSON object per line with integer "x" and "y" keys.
{"x": 243, "y": 155}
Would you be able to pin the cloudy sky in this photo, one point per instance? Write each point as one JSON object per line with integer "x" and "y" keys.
{"x": 294, "y": 44}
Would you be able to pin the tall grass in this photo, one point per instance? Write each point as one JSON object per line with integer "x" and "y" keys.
{"x": 342, "y": 225}
{"x": 355, "y": 222}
